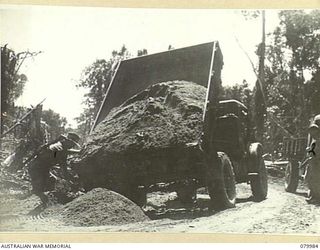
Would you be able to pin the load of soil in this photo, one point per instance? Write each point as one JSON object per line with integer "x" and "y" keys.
{"x": 172, "y": 109}
{"x": 166, "y": 115}
{"x": 101, "y": 207}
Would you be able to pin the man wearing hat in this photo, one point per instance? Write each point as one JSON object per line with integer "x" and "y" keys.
{"x": 49, "y": 155}
{"x": 312, "y": 176}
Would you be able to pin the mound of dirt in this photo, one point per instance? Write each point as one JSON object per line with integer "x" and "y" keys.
{"x": 166, "y": 115}
{"x": 101, "y": 207}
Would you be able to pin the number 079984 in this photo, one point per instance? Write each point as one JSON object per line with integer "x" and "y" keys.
{"x": 309, "y": 246}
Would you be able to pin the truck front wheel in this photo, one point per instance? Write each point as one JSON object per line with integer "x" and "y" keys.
{"x": 223, "y": 189}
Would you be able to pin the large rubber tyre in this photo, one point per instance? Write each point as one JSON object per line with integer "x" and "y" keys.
{"x": 223, "y": 191}
{"x": 259, "y": 182}
{"x": 291, "y": 178}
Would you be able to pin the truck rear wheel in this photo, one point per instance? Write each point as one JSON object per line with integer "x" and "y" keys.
{"x": 258, "y": 182}
{"x": 291, "y": 176}
{"x": 223, "y": 191}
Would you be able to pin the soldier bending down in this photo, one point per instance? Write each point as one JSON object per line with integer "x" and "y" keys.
{"x": 49, "y": 155}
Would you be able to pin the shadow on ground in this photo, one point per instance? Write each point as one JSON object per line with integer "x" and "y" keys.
{"x": 176, "y": 210}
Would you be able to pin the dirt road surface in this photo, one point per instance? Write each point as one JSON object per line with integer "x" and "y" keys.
{"x": 280, "y": 213}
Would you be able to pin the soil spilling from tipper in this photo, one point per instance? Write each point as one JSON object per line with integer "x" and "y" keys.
{"x": 101, "y": 207}
{"x": 163, "y": 115}
{"x": 166, "y": 115}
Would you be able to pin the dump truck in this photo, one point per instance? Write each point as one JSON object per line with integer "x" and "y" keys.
{"x": 221, "y": 150}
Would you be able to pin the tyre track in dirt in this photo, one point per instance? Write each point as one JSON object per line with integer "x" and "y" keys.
{"x": 34, "y": 223}
{"x": 280, "y": 213}
{"x": 22, "y": 212}
{"x": 295, "y": 215}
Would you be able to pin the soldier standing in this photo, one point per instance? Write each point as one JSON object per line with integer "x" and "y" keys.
{"x": 312, "y": 176}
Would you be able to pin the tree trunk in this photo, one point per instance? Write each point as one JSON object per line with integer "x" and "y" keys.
{"x": 259, "y": 89}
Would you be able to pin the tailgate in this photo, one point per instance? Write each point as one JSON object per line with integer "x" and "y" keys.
{"x": 134, "y": 75}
